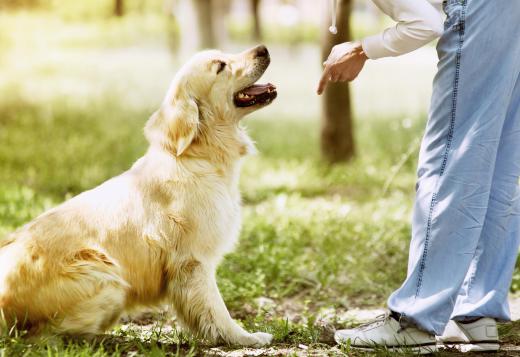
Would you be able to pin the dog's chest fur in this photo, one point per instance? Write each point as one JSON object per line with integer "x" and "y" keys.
{"x": 198, "y": 210}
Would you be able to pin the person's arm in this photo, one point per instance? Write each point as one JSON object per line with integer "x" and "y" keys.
{"x": 418, "y": 22}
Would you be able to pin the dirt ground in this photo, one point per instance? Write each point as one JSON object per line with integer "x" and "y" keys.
{"x": 328, "y": 348}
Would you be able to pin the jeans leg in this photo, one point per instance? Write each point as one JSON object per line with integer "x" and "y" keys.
{"x": 478, "y": 66}
{"x": 485, "y": 289}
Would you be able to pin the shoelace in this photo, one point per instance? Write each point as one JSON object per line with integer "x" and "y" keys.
{"x": 333, "y": 29}
{"x": 378, "y": 321}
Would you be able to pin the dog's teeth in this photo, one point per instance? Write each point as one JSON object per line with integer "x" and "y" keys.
{"x": 244, "y": 96}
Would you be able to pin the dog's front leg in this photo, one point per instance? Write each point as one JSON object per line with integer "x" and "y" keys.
{"x": 200, "y": 307}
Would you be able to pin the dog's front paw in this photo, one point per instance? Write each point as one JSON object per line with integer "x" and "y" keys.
{"x": 261, "y": 339}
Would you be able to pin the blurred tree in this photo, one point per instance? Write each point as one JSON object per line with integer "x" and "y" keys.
{"x": 13, "y": 4}
{"x": 221, "y": 10}
{"x": 119, "y": 8}
{"x": 337, "y": 136}
{"x": 257, "y": 25}
{"x": 172, "y": 26}
{"x": 204, "y": 13}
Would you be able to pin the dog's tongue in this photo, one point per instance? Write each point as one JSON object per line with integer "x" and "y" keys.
{"x": 257, "y": 89}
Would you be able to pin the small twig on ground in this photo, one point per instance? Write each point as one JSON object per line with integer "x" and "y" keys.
{"x": 397, "y": 167}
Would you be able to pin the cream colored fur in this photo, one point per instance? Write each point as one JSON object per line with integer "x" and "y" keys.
{"x": 154, "y": 234}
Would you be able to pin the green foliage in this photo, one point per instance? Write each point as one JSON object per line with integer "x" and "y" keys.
{"x": 510, "y": 332}
{"x": 42, "y": 146}
{"x": 117, "y": 344}
{"x": 515, "y": 285}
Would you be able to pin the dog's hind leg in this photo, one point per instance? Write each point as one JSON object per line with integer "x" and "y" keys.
{"x": 200, "y": 307}
{"x": 101, "y": 292}
{"x": 95, "y": 314}
{"x": 83, "y": 295}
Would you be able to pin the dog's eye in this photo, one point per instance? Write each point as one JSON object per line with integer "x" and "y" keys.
{"x": 221, "y": 66}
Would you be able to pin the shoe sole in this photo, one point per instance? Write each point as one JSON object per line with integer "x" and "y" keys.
{"x": 473, "y": 347}
{"x": 421, "y": 350}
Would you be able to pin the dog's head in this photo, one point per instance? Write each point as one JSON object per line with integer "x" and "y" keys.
{"x": 207, "y": 99}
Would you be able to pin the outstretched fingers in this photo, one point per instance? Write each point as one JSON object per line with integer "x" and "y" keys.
{"x": 325, "y": 77}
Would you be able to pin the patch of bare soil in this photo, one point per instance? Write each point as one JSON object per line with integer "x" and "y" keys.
{"x": 327, "y": 319}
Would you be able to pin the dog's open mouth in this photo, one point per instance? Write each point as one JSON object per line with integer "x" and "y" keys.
{"x": 257, "y": 94}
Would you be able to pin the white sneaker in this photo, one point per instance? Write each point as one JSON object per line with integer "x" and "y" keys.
{"x": 386, "y": 332}
{"x": 480, "y": 335}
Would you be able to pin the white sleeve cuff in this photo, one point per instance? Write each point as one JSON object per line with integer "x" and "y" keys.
{"x": 374, "y": 47}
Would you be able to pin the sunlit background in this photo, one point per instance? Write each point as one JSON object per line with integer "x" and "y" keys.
{"x": 80, "y": 50}
{"x": 78, "y": 80}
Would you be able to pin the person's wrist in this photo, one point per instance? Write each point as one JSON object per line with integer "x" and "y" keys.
{"x": 359, "y": 51}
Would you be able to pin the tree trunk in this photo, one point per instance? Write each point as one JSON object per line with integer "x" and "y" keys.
{"x": 119, "y": 8}
{"x": 172, "y": 27}
{"x": 221, "y": 10}
{"x": 337, "y": 137}
{"x": 257, "y": 25}
{"x": 204, "y": 13}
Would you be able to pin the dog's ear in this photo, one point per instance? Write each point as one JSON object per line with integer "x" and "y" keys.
{"x": 174, "y": 125}
{"x": 182, "y": 120}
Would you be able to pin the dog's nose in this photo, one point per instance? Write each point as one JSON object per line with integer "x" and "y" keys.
{"x": 261, "y": 51}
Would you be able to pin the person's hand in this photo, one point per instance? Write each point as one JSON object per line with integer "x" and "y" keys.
{"x": 345, "y": 62}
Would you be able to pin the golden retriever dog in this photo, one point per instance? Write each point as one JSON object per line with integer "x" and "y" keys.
{"x": 156, "y": 233}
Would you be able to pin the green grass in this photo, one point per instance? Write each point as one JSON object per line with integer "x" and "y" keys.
{"x": 316, "y": 240}
{"x": 322, "y": 237}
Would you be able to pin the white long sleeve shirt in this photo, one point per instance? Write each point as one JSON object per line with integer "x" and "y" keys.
{"x": 418, "y": 22}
